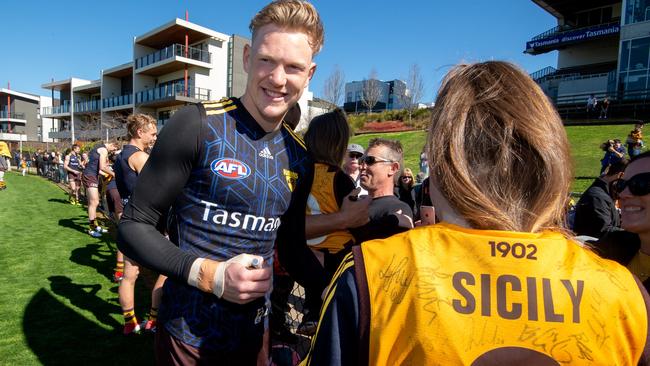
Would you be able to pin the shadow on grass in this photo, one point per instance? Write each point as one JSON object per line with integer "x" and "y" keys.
{"x": 85, "y": 297}
{"x": 101, "y": 257}
{"x": 74, "y": 224}
{"x": 58, "y": 335}
{"x": 58, "y": 200}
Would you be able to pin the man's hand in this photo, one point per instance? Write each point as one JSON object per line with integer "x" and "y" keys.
{"x": 403, "y": 220}
{"x": 236, "y": 280}
{"x": 354, "y": 209}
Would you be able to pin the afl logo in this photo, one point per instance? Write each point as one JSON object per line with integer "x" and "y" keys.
{"x": 230, "y": 168}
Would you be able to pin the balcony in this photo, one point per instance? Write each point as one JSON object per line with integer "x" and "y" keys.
{"x": 57, "y": 111}
{"x": 12, "y": 117}
{"x": 87, "y": 106}
{"x": 171, "y": 94}
{"x": 120, "y": 102}
{"x": 171, "y": 58}
{"x": 563, "y": 35}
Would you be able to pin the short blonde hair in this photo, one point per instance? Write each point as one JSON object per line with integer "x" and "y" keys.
{"x": 294, "y": 15}
{"x": 138, "y": 121}
{"x": 498, "y": 150}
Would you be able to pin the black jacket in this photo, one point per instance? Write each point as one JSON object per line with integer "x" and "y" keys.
{"x": 596, "y": 213}
{"x": 620, "y": 246}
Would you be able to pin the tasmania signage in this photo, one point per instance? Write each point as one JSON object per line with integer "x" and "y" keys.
{"x": 574, "y": 36}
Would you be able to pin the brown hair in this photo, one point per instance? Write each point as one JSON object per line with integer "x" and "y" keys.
{"x": 294, "y": 15}
{"x": 498, "y": 150}
{"x": 138, "y": 121}
{"x": 395, "y": 150}
{"x": 327, "y": 137}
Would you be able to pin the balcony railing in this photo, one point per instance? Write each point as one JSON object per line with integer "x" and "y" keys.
{"x": 65, "y": 108}
{"x": 540, "y": 74}
{"x": 4, "y": 114}
{"x": 559, "y": 29}
{"x": 117, "y": 101}
{"x": 170, "y": 91}
{"x": 88, "y": 106}
{"x": 171, "y": 51}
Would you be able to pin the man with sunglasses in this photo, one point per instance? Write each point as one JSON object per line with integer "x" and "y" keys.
{"x": 351, "y": 165}
{"x": 596, "y": 212}
{"x": 631, "y": 247}
{"x": 380, "y": 166}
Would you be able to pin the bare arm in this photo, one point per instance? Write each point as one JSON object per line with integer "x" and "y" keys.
{"x": 137, "y": 161}
{"x": 352, "y": 214}
{"x": 103, "y": 162}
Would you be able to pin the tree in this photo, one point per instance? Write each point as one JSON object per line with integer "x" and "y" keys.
{"x": 414, "y": 90}
{"x": 333, "y": 87}
{"x": 371, "y": 90}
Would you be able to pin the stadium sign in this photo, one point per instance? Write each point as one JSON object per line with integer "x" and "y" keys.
{"x": 574, "y": 36}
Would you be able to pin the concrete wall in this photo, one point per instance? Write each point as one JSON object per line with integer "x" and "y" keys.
{"x": 636, "y": 30}
{"x": 30, "y": 108}
{"x": 111, "y": 87}
{"x": 216, "y": 79}
{"x": 596, "y": 85}
{"x": 593, "y": 52}
{"x": 236, "y": 63}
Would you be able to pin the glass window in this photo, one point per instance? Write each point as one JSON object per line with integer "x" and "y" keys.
{"x": 639, "y": 51}
{"x": 636, "y": 80}
{"x": 607, "y": 15}
{"x": 625, "y": 55}
{"x": 637, "y": 11}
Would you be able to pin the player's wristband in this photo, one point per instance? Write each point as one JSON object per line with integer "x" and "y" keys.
{"x": 193, "y": 278}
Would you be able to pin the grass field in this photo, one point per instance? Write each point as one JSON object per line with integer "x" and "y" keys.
{"x": 585, "y": 148}
{"x": 57, "y": 302}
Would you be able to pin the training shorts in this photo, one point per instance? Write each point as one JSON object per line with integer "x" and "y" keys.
{"x": 90, "y": 181}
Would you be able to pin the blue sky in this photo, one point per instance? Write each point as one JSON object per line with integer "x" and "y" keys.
{"x": 61, "y": 39}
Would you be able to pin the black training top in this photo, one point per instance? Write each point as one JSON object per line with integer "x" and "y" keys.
{"x": 92, "y": 168}
{"x": 383, "y": 222}
{"x": 233, "y": 188}
{"x": 125, "y": 177}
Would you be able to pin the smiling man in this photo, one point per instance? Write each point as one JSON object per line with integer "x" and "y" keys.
{"x": 236, "y": 179}
{"x": 381, "y": 164}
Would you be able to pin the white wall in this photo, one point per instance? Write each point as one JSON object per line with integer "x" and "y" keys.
{"x": 593, "y": 52}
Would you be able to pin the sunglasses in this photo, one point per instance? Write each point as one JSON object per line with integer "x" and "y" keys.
{"x": 355, "y": 155}
{"x": 639, "y": 185}
{"x": 371, "y": 160}
{"x": 406, "y": 177}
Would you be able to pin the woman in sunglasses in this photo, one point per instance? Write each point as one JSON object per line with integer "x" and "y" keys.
{"x": 631, "y": 247}
{"x": 499, "y": 281}
{"x": 404, "y": 190}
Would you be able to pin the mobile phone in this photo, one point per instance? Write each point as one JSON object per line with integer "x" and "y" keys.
{"x": 427, "y": 215}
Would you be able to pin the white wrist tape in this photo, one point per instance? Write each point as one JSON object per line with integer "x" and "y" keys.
{"x": 246, "y": 260}
{"x": 193, "y": 278}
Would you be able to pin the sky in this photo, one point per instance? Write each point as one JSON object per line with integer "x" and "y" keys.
{"x": 44, "y": 40}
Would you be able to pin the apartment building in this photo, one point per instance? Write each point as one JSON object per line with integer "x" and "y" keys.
{"x": 172, "y": 65}
{"x": 20, "y": 117}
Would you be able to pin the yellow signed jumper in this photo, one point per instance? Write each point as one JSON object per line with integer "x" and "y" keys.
{"x": 445, "y": 295}
{"x": 322, "y": 200}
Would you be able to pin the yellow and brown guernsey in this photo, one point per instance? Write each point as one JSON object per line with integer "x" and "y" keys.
{"x": 446, "y": 295}
{"x": 322, "y": 200}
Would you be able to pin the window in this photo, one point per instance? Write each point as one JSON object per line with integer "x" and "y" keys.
{"x": 639, "y": 54}
{"x": 637, "y": 11}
